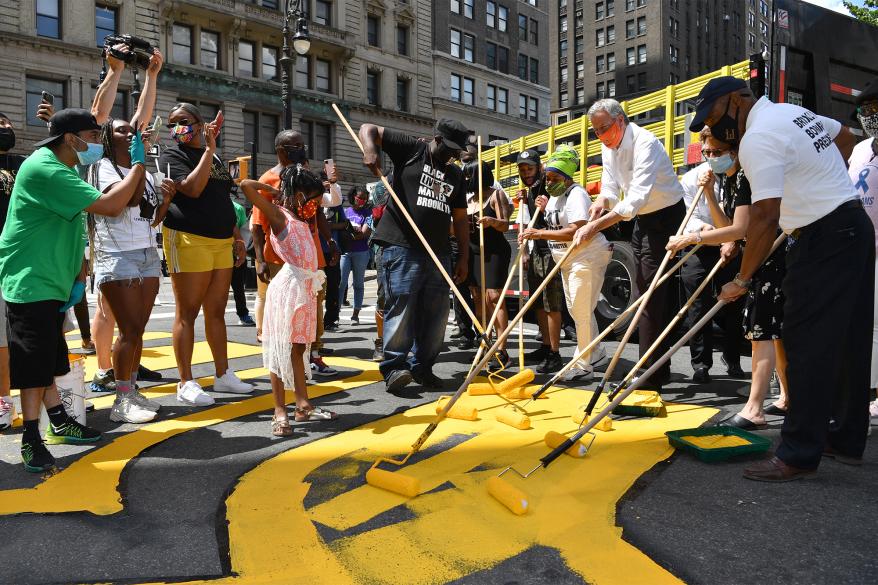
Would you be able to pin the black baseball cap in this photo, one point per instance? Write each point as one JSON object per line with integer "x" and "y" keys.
{"x": 453, "y": 133}
{"x": 529, "y": 157}
{"x": 869, "y": 93}
{"x": 712, "y": 91}
{"x": 69, "y": 120}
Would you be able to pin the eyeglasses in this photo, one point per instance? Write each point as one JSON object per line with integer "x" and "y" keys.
{"x": 868, "y": 109}
{"x": 603, "y": 130}
{"x": 708, "y": 153}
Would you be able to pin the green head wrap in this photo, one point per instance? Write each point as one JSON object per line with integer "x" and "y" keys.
{"x": 564, "y": 161}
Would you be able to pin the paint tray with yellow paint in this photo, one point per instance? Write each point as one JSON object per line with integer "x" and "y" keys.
{"x": 641, "y": 403}
{"x": 717, "y": 443}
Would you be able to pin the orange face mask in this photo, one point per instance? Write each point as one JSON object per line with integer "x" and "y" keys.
{"x": 612, "y": 138}
{"x": 308, "y": 209}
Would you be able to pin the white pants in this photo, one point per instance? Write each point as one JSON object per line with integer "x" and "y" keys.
{"x": 583, "y": 279}
{"x": 874, "y": 382}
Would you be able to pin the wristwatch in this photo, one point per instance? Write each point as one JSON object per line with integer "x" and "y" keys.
{"x": 741, "y": 282}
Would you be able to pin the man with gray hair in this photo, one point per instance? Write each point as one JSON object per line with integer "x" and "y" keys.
{"x": 635, "y": 163}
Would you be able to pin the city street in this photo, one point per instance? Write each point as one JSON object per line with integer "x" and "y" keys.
{"x": 209, "y": 496}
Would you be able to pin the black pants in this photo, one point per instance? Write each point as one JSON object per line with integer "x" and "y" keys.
{"x": 731, "y": 317}
{"x": 333, "y": 279}
{"x": 239, "y": 274}
{"x": 692, "y": 274}
{"x": 80, "y": 309}
{"x": 651, "y": 234}
{"x": 827, "y": 333}
{"x": 461, "y": 317}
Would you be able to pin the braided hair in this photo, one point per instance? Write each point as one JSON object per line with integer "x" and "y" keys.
{"x": 295, "y": 179}
{"x": 109, "y": 149}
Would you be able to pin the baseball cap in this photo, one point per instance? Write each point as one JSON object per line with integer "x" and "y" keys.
{"x": 712, "y": 91}
{"x": 453, "y": 133}
{"x": 69, "y": 120}
{"x": 869, "y": 93}
{"x": 529, "y": 157}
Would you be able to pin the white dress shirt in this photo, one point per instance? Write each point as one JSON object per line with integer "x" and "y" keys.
{"x": 639, "y": 168}
{"x": 701, "y": 215}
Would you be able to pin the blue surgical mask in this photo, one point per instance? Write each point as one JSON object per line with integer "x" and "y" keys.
{"x": 721, "y": 164}
{"x": 93, "y": 153}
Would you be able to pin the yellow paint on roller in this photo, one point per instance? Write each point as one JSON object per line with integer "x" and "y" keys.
{"x": 459, "y": 410}
{"x": 523, "y": 393}
{"x": 643, "y": 398}
{"x": 481, "y": 389}
{"x": 579, "y": 416}
{"x": 605, "y": 424}
{"x": 508, "y": 495}
{"x": 523, "y": 377}
{"x": 715, "y": 441}
{"x": 554, "y": 439}
{"x": 398, "y": 483}
{"x": 513, "y": 418}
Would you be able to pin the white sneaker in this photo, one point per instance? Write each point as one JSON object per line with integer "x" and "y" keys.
{"x": 873, "y": 411}
{"x": 231, "y": 384}
{"x": 192, "y": 393}
{"x": 7, "y": 412}
{"x": 126, "y": 409}
{"x": 144, "y": 402}
{"x": 577, "y": 375}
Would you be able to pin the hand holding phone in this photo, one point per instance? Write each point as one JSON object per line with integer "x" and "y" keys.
{"x": 329, "y": 169}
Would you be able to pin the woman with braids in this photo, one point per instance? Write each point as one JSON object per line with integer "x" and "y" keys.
{"x": 290, "y": 315}
{"x": 201, "y": 243}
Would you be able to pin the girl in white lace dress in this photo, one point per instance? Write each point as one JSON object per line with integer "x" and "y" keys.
{"x": 290, "y": 317}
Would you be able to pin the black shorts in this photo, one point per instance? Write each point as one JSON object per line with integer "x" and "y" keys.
{"x": 37, "y": 347}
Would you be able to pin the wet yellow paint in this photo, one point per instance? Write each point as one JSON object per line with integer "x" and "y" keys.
{"x": 715, "y": 441}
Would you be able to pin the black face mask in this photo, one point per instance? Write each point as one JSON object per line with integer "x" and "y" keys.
{"x": 297, "y": 156}
{"x": 726, "y": 128}
{"x": 7, "y": 139}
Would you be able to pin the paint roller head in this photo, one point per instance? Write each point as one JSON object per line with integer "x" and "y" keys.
{"x": 481, "y": 389}
{"x": 554, "y": 439}
{"x": 511, "y": 497}
{"x": 523, "y": 393}
{"x": 404, "y": 485}
{"x": 458, "y": 410}
{"x": 523, "y": 377}
{"x": 514, "y": 418}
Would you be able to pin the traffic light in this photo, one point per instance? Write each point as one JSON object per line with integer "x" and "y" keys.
{"x": 757, "y": 75}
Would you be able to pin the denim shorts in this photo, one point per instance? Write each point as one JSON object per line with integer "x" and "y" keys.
{"x": 128, "y": 265}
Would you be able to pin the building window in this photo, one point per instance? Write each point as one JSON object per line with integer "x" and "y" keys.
{"x": 210, "y": 56}
{"x": 563, "y": 99}
{"x": 251, "y": 127}
{"x": 563, "y": 74}
{"x": 580, "y": 70}
{"x": 522, "y": 106}
{"x": 469, "y": 46}
{"x": 455, "y": 43}
{"x": 578, "y": 43}
{"x": 491, "y": 97}
{"x": 455, "y": 6}
{"x": 105, "y": 23}
{"x": 468, "y": 92}
{"x": 763, "y": 28}
{"x": 402, "y": 40}
{"x": 751, "y": 40}
{"x": 629, "y": 5}
{"x": 269, "y": 126}
{"x": 564, "y": 25}
{"x": 600, "y": 90}
{"x": 598, "y": 10}
{"x": 580, "y": 96}
{"x": 611, "y": 88}
{"x": 49, "y": 19}
{"x": 641, "y": 53}
{"x": 534, "y": 32}
{"x": 674, "y": 53}
{"x": 599, "y": 64}
{"x": 611, "y": 8}
{"x": 491, "y": 55}
{"x": 468, "y": 8}
{"x": 522, "y": 27}
{"x": 34, "y": 88}
{"x": 502, "y": 18}
{"x": 611, "y": 34}
{"x": 534, "y": 71}
{"x": 502, "y": 59}
{"x": 303, "y": 72}
{"x": 631, "y": 84}
{"x": 373, "y": 88}
{"x": 269, "y": 62}
{"x": 323, "y": 12}
{"x": 599, "y": 38}
{"x": 318, "y": 137}
{"x": 502, "y": 100}
{"x": 751, "y": 19}
{"x": 402, "y": 94}
{"x": 245, "y": 58}
{"x": 641, "y": 25}
{"x": 629, "y": 29}
{"x": 522, "y": 66}
{"x": 641, "y": 3}
{"x": 562, "y": 46}
{"x": 641, "y": 81}
{"x": 323, "y": 75}
{"x": 763, "y": 8}
{"x": 491, "y": 14}
{"x": 533, "y": 107}
{"x": 456, "y": 83}
{"x": 611, "y": 62}
{"x": 372, "y": 28}
{"x": 181, "y": 37}
{"x": 630, "y": 59}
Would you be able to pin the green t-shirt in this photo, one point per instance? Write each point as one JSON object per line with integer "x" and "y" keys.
{"x": 240, "y": 214}
{"x": 42, "y": 245}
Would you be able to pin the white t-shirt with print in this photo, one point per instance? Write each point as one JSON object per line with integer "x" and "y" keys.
{"x": 788, "y": 152}
{"x": 864, "y": 174}
{"x": 564, "y": 210}
{"x": 132, "y": 229}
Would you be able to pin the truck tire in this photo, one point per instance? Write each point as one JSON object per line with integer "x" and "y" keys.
{"x": 617, "y": 291}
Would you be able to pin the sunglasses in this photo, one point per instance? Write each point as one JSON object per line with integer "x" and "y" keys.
{"x": 712, "y": 153}
{"x": 183, "y": 122}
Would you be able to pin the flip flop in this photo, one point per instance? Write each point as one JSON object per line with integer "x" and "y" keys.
{"x": 775, "y": 410}
{"x": 316, "y": 413}
{"x": 740, "y": 422}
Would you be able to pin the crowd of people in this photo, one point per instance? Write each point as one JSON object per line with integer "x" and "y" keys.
{"x": 769, "y": 170}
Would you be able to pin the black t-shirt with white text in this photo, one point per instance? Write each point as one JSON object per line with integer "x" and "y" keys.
{"x": 210, "y": 215}
{"x": 9, "y": 165}
{"x": 533, "y": 192}
{"x": 428, "y": 193}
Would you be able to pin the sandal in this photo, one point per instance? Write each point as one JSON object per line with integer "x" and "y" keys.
{"x": 280, "y": 427}
{"x": 314, "y": 413}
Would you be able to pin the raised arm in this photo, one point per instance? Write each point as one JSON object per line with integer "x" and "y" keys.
{"x": 146, "y": 103}
{"x": 119, "y": 195}
{"x": 105, "y": 95}
{"x": 195, "y": 182}
{"x": 371, "y": 136}
{"x": 275, "y": 216}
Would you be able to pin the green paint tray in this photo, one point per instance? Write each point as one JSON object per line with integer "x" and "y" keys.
{"x": 756, "y": 444}
{"x": 650, "y": 404}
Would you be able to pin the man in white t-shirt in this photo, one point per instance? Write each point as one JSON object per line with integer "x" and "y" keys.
{"x": 793, "y": 160}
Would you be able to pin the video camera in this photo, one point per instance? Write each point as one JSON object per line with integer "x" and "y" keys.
{"x": 139, "y": 51}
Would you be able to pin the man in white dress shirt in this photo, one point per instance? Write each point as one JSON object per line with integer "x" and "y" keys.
{"x": 635, "y": 163}
{"x": 793, "y": 160}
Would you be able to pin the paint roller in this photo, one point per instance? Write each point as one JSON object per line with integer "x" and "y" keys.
{"x": 511, "y": 497}
{"x": 459, "y": 411}
{"x": 417, "y": 231}
{"x": 571, "y": 441}
{"x": 514, "y": 418}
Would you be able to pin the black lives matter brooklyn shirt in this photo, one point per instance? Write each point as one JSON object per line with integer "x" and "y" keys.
{"x": 429, "y": 195}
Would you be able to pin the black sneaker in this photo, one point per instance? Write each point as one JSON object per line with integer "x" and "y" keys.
{"x": 428, "y": 380}
{"x": 466, "y": 343}
{"x": 569, "y": 333}
{"x": 105, "y": 382}
{"x": 539, "y": 336}
{"x": 701, "y": 375}
{"x": 538, "y": 355}
{"x": 147, "y": 375}
{"x": 551, "y": 364}
{"x": 397, "y": 380}
{"x": 325, "y": 351}
{"x": 35, "y": 457}
{"x": 71, "y": 433}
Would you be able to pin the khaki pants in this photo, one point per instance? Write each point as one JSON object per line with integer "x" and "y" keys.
{"x": 583, "y": 280}
{"x": 261, "y": 288}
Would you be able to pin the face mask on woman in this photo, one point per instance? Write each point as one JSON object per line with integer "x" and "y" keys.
{"x": 7, "y": 139}
{"x": 869, "y": 123}
{"x": 556, "y": 189}
{"x": 183, "y": 134}
{"x": 92, "y": 154}
{"x": 721, "y": 164}
{"x": 308, "y": 209}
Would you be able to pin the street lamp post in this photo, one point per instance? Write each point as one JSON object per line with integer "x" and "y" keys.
{"x": 301, "y": 42}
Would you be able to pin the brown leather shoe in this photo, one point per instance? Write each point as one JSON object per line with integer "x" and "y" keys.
{"x": 841, "y": 457}
{"x": 775, "y": 470}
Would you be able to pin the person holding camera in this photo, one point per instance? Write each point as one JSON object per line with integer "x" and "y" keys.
{"x": 355, "y": 248}
{"x": 201, "y": 244}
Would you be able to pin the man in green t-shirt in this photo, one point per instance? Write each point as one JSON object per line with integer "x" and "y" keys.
{"x": 239, "y": 273}
{"x": 42, "y": 273}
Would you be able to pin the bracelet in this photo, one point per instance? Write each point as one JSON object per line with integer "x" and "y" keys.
{"x": 741, "y": 282}
{"x": 698, "y": 237}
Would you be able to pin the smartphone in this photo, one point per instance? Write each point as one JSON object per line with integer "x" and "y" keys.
{"x": 48, "y": 98}
{"x": 219, "y": 120}
{"x": 328, "y": 167}
{"x": 156, "y": 125}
